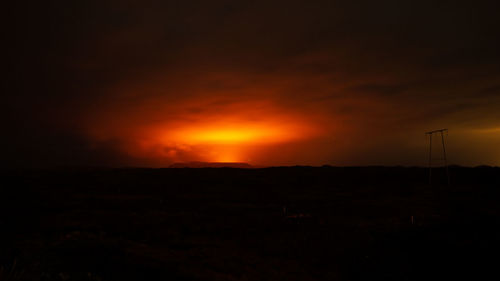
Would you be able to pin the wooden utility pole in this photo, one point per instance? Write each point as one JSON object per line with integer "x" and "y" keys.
{"x": 444, "y": 153}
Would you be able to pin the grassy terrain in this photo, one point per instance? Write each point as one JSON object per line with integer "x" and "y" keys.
{"x": 295, "y": 223}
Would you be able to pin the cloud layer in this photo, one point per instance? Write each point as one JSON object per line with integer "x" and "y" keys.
{"x": 91, "y": 82}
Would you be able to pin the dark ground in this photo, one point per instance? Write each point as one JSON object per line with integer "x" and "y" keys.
{"x": 229, "y": 224}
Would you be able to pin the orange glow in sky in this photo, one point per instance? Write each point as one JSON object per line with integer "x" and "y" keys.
{"x": 229, "y": 136}
{"x": 238, "y": 134}
{"x": 230, "y": 141}
{"x": 198, "y": 130}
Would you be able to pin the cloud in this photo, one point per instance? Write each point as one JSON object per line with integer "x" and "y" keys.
{"x": 94, "y": 77}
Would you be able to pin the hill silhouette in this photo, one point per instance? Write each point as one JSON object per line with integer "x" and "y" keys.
{"x": 240, "y": 165}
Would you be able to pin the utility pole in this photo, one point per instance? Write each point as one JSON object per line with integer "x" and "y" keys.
{"x": 430, "y": 134}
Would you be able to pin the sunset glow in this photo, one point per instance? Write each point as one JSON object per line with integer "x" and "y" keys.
{"x": 229, "y": 136}
{"x": 235, "y": 135}
{"x": 233, "y": 141}
{"x": 225, "y": 132}
{"x": 225, "y": 142}
{"x": 292, "y": 83}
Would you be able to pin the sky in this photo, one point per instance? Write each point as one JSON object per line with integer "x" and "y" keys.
{"x": 346, "y": 83}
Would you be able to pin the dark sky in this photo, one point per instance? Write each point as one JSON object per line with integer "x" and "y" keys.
{"x": 148, "y": 83}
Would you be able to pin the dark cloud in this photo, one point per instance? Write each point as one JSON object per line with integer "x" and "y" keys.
{"x": 374, "y": 65}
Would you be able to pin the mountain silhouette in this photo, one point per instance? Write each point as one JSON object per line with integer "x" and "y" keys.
{"x": 240, "y": 165}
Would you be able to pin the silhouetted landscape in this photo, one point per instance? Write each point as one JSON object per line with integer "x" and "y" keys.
{"x": 211, "y": 165}
{"x": 250, "y": 140}
{"x": 283, "y": 223}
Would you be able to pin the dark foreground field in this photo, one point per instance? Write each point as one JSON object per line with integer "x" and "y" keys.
{"x": 294, "y": 223}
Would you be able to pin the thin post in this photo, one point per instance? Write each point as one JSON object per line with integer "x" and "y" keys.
{"x": 430, "y": 158}
{"x": 445, "y": 160}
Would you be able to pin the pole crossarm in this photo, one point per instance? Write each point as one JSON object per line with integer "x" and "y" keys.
{"x": 436, "y": 131}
